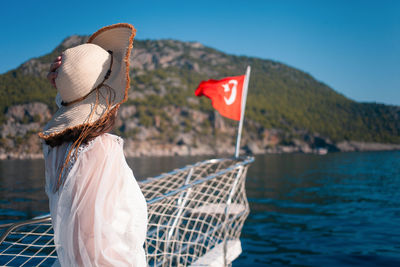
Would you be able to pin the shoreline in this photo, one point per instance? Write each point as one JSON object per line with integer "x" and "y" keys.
{"x": 170, "y": 151}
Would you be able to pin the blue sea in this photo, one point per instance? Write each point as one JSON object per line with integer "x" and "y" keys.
{"x": 339, "y": 209}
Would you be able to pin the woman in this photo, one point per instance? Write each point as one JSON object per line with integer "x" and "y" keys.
{"x": 98, "y": 212}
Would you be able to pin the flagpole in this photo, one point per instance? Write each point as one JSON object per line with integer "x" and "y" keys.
{"x": 243, "y": 107}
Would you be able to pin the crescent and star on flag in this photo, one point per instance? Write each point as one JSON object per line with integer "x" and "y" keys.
{"x": 227, "y": 88}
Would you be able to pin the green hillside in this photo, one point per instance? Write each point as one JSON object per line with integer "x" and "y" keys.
{"x": 167, "y": 72}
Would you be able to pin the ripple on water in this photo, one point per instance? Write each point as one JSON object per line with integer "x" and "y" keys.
{"x": 338, "y": 210}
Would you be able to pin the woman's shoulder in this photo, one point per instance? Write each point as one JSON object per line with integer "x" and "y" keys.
{"x": 101, "y": 145}
{"x": 115, "y": 139}
{"x": 105, "y": 143}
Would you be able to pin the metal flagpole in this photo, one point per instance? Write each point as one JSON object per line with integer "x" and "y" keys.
{"x": 243, "y": 107}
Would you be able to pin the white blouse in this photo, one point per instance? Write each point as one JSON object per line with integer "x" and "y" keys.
{"x": 99, "y": 215}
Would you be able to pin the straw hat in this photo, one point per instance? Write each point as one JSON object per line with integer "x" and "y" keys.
{"x": 87, "y": 73}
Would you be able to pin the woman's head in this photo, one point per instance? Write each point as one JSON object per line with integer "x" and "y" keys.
{"x": 93, "y": 79}
{"x": 83, "y": 68}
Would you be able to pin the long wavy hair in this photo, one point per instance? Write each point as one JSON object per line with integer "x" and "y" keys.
{"x": 82, "y": 135}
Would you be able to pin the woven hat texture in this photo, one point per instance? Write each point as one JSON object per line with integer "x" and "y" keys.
{"x": 83, "y": 68}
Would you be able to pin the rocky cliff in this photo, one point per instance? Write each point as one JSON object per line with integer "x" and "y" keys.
{"x": 287, "y": 109}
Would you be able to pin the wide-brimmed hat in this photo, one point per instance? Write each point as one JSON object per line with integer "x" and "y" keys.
{"x": 93, "y": 79}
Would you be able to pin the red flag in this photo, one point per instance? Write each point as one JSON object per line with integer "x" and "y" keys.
{"x": 225, "y": 95}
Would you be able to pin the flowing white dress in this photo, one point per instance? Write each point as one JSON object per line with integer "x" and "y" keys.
{"x": 99, "y": 215}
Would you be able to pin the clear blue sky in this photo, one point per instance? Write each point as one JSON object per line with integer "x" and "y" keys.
{"x": 353, "y": 46}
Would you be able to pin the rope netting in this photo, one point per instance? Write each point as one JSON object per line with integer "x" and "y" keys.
{"x": 193, "y": 212}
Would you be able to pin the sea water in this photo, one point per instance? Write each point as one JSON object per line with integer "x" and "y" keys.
{"x": 340, "y": 209}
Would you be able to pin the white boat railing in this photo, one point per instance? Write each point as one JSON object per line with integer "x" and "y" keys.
{"x": 196, "y": 215}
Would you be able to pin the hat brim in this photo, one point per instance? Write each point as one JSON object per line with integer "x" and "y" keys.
{"x": 119, "y": 39}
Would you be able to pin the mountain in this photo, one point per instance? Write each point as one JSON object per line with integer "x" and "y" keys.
{"x": 287, "y": 109}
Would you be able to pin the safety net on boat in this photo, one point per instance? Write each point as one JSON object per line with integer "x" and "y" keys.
{"x": 196, "y": 215}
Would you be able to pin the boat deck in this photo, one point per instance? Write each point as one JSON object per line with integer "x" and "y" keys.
{"x": 196, "y": 215}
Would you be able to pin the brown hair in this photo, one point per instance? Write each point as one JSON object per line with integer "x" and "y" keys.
{"x": 71, "y": 135}
{"x": 85, "y": 133}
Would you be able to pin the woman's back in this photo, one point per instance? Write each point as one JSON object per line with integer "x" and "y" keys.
{"x": 99, "y": 214}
